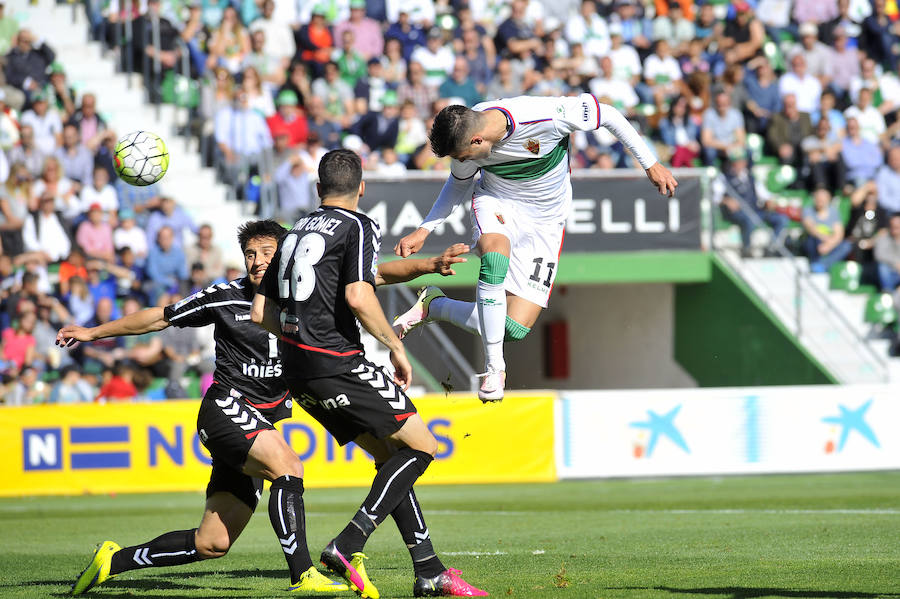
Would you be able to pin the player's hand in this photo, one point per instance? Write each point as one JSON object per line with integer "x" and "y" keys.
{"x": 662, "y": 179}
{"x": 71, "y": 334}
{"x": 402, "y": 369}
{"x": 443, "y": 264}
{"x": 412, "y": 243}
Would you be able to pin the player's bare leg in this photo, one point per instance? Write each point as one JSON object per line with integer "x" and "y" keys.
{"x": 223, "y": 521}
{"x": 271, "y": 458}
{"x": 391, "y": 485}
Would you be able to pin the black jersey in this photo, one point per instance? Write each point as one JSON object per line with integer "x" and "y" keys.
{"x": 247, "y": 356}
{"x": 324, "y": 252}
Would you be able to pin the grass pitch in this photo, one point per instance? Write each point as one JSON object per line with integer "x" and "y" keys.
{"x": 818, "y": 536}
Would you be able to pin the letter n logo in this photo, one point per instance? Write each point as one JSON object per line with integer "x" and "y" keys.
{"x": 42, "y": 449}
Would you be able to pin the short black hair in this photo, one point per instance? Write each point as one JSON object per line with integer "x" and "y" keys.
{"x": 259, "y": 228}
{"x": 452, "y": 130}
{"x": 340, "y": 172}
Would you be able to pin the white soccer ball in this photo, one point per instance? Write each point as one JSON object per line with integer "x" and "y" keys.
{"x": 141, "y": 158}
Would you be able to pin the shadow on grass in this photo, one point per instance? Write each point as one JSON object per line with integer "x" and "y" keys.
{"x": 755, "y": 592}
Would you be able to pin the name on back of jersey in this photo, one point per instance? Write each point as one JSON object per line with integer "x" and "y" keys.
{"x": 320, "y": 224}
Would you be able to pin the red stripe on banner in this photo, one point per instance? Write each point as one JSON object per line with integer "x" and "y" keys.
{"x": 402, "y": 417}
{"x": 321, "y": 350}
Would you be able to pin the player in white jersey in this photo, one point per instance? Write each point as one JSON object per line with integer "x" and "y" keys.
{"x": 519, "y": 209}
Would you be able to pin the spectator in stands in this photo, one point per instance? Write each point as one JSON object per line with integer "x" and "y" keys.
{"x": 787, "y": 130}
{"x": 18, "y": 341}
{"x": 871, "y": 122}
{"x": 44, "y": 233}
{"x": 314, "y": 42}
{"x": 131, "y": 276}
{"x": 95, "y": 235}
{"x": 79, "y": 301}
{"x": 818, "y": 56}
{"x": 411, "y": 134}
{"x": 476, "y": 57}
{"x": 15, "y": 197}
{"x": 166, "y": 265}
{"x": 588, "y": 29}
{"x": 229, "y": 44}
{"x": 662, "y": 73}
{"x": 460, "y": 85}
{"x": 120, "y": 386}
{"x": 887, "y": 254}
{"x": 71, "y": 388}
{"x": 195, "y": 35}
{"x": 393, "y": 63}
{"x": 408, "y": 34}
{"x": 367, "y": 37}
{"x": 825, "y": 243}
{"x": 292, "y": 178}
{"x": 421, "y": 12}
{"x": 9, "y": 128}
{"x": 879, "y": 36}
{"x": 100, "y": 192}
{"x": 743, "y": 35}
{"x": 77, "y": 161}
{"x": 370, "y": 89}
{"x": 505, "y": 84}
{"x": 674, "y": 27}
{"x": 279, "y": 41}
{"x": 843, "y": 62}
{"x": 379, "y": 129}
{"x": 60, "y": 96}
{"x": 861, "y": 157}
{"x": 45, "y": 123}
{"x": 417, "y": 90}
{"x": 708, "y": 27}
{"x": 822, "y": 154}
{"x": 867, "y": 223}
{"x": 101, "y": 353}
{"x": 140, "y": 200}
{"x": 9, "y": 26}
{"x": 73, "y": 266}
{"x": 168, "y": 52}
{"x": 888, "y": 181}
{"x": 615, "y": 91}
{"x": 26, "y": 64}
{"x": 242, "y": 136}
{"x": 775, "y": 15}
{"x": 271, "y": 69}
{"x": 207, "y": 253}
{"x": 722, "y": 130}
{"x": 801, "y": 84}
{"x": 388, "y": 163}
{"x": 814, "y": 11}
{"x": 763, "y": 99}
{"x": 739, "y": 196}
{"x": 635, "y": 30}
{"x": 515, "y": 37}
{"x": 351, "y": 64}
{"x": 258, "y": 98}
{"x": 327, "y": 131}
{"x": 173, "y": 216}
{"x": 337, "y": 93}
{"x": 27, "y": 152}
{"x": 626, "y": 62}
{"x": 25, "y": 390}
{"x": 289, "y": 120}
{"x": 850, "y": 24}
{"x": 436, "y": 57}
{"x": 680, "y": 133}
{"x": 60, "y": 188}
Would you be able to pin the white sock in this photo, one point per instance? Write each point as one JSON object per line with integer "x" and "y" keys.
{"x": 491, "y": 301}
{"x": 458, "y": 313}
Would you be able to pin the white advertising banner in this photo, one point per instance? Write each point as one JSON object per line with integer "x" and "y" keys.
{"x": 727, "y": 431}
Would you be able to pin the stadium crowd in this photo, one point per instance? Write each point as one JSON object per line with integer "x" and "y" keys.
{"x": 272, "y": 85}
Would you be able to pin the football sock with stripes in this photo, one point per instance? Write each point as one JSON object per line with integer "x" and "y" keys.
{"x": 465, "y": 316}
{"x": 288, "y": 519}
{"x": 391, "y": 485}
{"x": 170, "y": 549}
{"x": 411, "y": 524}
{"x": 491, "y": 300}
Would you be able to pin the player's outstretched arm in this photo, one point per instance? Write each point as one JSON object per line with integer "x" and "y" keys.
{"x": 454, "y": 191}
{"x": 265, "y": 313}
{"x": 400, "y": 271}
{"x": 362, "y": 300}
{"x": 144, "y": 321}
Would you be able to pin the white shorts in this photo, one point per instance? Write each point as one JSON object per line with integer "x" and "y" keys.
{"x": 534, "y": 245}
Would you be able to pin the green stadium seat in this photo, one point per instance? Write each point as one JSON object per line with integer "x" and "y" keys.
{"x": 780, "y": 178}
{"x": 845, "y": 276}
{"x": 880, "y": 309}
{"x": 755, "y": 145}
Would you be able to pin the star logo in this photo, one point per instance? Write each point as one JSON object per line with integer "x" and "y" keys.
{"x": 853, "y": 420}
{"x": 532, "y": 145}
{"x": 662, "y": 425}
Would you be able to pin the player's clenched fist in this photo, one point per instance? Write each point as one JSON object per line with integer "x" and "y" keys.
{"x": 402, "y": 369}
{"x": 412, "y": 243}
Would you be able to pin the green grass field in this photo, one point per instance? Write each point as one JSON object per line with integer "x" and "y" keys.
{"x": 743, "y": 537}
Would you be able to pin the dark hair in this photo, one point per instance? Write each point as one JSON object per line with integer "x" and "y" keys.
{"x": 453, "y": 128}
{"x": 340, "y": 172}
{"x": 259, "y": 228}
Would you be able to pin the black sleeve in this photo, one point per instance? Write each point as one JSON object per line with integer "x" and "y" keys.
{"x": 198, "y": 309}
{"x": 269, "y": 284}
{"x": 360, "y": 261}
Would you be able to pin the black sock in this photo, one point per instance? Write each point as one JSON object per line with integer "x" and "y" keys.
{"x": 289, "y": 522}
{"x": 411, "y": 523}
{"x": 171, "y": 549}
{"x": 392, "y": 483}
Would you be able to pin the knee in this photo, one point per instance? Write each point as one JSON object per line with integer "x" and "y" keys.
{"x": 291, "y": 464}
{"x": 494, "y": 267}
{"x": 515, "y": 331}
{"x": 212, "y": 545}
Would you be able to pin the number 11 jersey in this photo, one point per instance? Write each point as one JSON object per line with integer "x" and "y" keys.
{"x": 325, "y": 251}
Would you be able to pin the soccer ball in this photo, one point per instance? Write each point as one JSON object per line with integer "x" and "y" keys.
{"x": 141, "y": 158}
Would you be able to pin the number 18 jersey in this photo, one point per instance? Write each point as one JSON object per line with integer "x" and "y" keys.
{"x": 325, "y": 251}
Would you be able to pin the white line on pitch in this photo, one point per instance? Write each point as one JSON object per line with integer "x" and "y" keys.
{"x": 475, "y": 553}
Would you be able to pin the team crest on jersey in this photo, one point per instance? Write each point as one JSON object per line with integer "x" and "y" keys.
{"x": 532, "y": 145}
{"x": 500, "y": 218}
